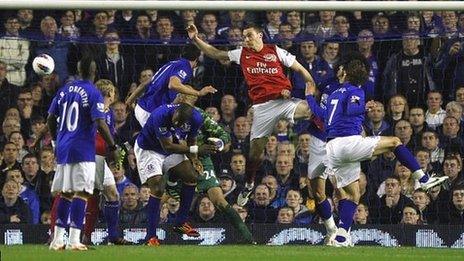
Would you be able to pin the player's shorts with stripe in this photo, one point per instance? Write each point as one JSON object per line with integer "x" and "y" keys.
{"x": 345, "y": 155}
{"x": 317, "y": 161}
{"x": 149, "y": 163}
{"x": 103, "y": 175}
{"x": 141, "y": 115}
{"x": 74, "y": 177}
{"x": 267, "y": 114}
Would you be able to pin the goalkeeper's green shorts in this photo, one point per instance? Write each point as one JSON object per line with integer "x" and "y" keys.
{"x": 208, "y": 179}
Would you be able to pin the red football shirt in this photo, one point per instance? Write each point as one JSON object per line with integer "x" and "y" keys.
{"x": 263, "y": 71}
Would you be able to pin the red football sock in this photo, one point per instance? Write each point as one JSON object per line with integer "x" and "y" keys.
{"x": 53, "y": 213}
{"x": 91, "y": 216}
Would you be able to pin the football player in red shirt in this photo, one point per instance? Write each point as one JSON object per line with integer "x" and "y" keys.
{"x": 268, "y": 87}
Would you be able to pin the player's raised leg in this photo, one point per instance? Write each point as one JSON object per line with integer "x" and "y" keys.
{"x": 187, "y": 175}
{"x": 407, "y": 159}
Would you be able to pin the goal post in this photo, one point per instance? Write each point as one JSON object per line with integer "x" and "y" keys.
{"x": 234, "y": 5}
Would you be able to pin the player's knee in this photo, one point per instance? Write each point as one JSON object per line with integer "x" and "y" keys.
{"x": 67, "y": 195}
{"x": 396, "y": 142}
{"x": 156, "y": 186}
{"x": 82, "y": 194}
{"x": 111, "y": 193}
{"x": 319, "y": 195}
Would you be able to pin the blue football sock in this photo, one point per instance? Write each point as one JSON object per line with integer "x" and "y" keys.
{"x": 406, "y": 158}
{"x": 112, "y": 217}
{"x": 186, "y": 198}
{"x": 346, "y": 209}
{"x": 77, "y": 212}
{"x": 324, "y": 210}
{"x": 153, "y": 216}
{"x": 62, "y": 213}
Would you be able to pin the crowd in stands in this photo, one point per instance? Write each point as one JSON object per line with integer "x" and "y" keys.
{"x": 416, "y": 78}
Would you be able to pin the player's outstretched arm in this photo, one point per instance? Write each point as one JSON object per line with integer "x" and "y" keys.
{"x": 104, "y": 130}
{"x": 297, "y": 67}
{"x": 176, "y": 84}
{"x": 137, "y": 92}
{"x": 51, "y": 124}
{"x": 208, "y": 49}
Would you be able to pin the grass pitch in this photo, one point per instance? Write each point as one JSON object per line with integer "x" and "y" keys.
{"x": 230, "y": 252}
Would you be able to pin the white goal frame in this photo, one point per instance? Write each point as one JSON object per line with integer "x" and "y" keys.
{"x": 234, "y": 5}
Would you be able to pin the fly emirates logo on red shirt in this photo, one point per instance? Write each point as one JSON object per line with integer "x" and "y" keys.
{"x": 263, "y": 67}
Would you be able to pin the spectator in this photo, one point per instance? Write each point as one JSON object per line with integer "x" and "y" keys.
{"x": 46, "y": 218}
{"x": 9, "y": 125}
{"x": 286, "y": 178}
{"x": 187, "y": 17}
{"x": 295, "y": 21}
{"x": 418, "y": 123}
{"x": 410, "y": 215}
{"x": 228, "y": 108}
{"x": 44, "y": 177}
{"x": 408, "y": 72}
{"x": 430, "y": 141}
{"x": 379, "y": 169}
{"x": 422, "y": 200}
{"x": 14, "y": 52}
{"x": 460, "y": 97}
{"x": 301, "y": 214}
{"x": 54, "y": 45}
{"x": 422, "y": 156}
{"x": 452, "y": 167}
{"x": 375, "y": 124}
{"x": 9, "y": 161}
{"x": 25, "y": 106}
{"x": 17, "y": 138}
{"x": 450, "y": 24}
{"x": 324, "y": 28}
{"x": 240, "y": 136}
{"x": 403, "y": 130}
{"x": 206, "y": 211}
{"x": 454, "y": 109}
{"x": 435, "y": 114}
{"x": 209, "y": 26}
{"x": 165, "y": 35}
{"x": 144, "y": 54}
{"x": 450, "y": 136}
{"x": 271, "y": 26}
{"x": 8, "y": 92}
{"x": 37, "y": 125}
{"x": 238, "y": 166}
{"x": 144, "y": 195}
{"x": 229, "y": 187}
{"x": 331, "y": 53}
{"x": 260, "y": 210}
{"x": 122, "y": 124}
{"x": 213, "y": 112}
{"x": 12, "y": 207}
{"x": 285, "y": 37}
{"x": 26, "y": 193}
{"x": 25, "y": 17}
{"x": 365, "y": 42}
{"x": 38, "y": 107}
{"x": 132, "y": 212}
{"x": 361, "y": 215}
{"x": 285, "y": 216}
{"x": 307, "y": 56}
{"x": 277, "y": 197}
{"x": 68, "y": 27}
{"x": 455, "y": 212}
{"x": 119, "y": 176}
{"x": 124, "y": 20}
{"x": 391, "y": 206}
{"x": 397, "y": 109}
{"x": 115, "y": 65}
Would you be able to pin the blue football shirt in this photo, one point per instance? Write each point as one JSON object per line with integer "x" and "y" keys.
{"x": 159, "y": 125}
{"x": 158, "y": 91}
{"x": 77, "y": 105}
